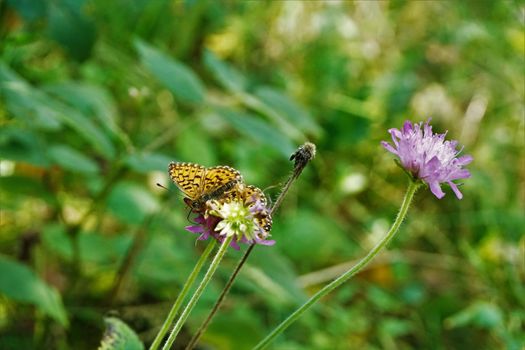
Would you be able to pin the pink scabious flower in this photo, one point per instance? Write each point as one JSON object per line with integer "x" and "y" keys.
{"x": 429, "y": 157}
{"x": 247, "y": 221}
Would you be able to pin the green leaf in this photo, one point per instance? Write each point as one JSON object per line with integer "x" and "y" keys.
{"x": 283, "y": 125}
{"x": 90, "y": 99}
{"x": 312, "y": 239}
{"x": 393, "y": 327}
{"x": 71, "y": 159}
{"x": 194, "y": 139}
{"x": 224, "y": 331}
{"x": 71, "y": 28}
{"x": 23, "y": 145}
{"x": 119, "y": 336}
{"x": 22, "y": 186}
{"x": 103, "y": 249}
{"x": 41, "y": 111}
{"x": 287, "y": 109}
{"x": 347, "y": 129}
{"x": 382, "y": 299}
{"x": 89, "y": 131}
{"x": 351, "y": 105}
{"x": 56, "y": 240}
{"x": 94, "y": 247}
{"x": 225, "y": 74}
{"x": 164, "y": 254}
{"x": 131, "y": 203}
{"x": 257, "y": 130}
{"x": 20, "y": 283}
{"x": 272, "y": 275}
{"x": 481, "y": 314}
{"x": 147, "y": 162}
{"x": 25, "y": 102}
{"x": 29, "y": 10}
{"x": 176, "y": 76}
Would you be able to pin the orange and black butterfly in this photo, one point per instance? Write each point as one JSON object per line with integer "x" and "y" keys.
{"x": 223, "y": 183}
{"x": 200, "y": 184}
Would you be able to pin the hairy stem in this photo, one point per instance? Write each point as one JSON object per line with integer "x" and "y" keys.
{"x": 198, "y": 292}
{"x": 412, "y": 188}
{"x": 219, "y": 301}
{"x": 180, "y": 298}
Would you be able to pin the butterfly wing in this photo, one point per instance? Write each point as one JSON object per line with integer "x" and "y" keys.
{"x": 251, "y": 194}
{"x": 188, "y": 177}
{"x": 220, "y": 177}
{"x": 265, "y": 222}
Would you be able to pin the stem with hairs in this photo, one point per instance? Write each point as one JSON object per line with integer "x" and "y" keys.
{"x": 412, "y": 188}
{"x": 180, "y": 298}
{"x": 198, "y": 292}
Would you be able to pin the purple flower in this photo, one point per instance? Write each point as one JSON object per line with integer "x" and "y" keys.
{"x": 429, "y": 157}
{"x": 206, "y": 228}
{"x": 248, "y": 221}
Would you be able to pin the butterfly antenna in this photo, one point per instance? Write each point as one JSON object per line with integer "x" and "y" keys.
{"x": 188, "y": 216}
{"x": 162, "y": 186}
{"x": 268, "y": 196}
{"x": 270, "y": 200}
{"x": 270, "y": 187}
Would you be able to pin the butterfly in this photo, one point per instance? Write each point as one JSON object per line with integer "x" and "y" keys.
{"x": 200, "y": 184}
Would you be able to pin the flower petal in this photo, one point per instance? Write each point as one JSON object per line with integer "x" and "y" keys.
{"x": 436, "y": 189}
{"x": 194, "y": 228}
{"x": 388, "y": 147}
{"x": 455, "y": 189}
{"x": 464, "y": 160}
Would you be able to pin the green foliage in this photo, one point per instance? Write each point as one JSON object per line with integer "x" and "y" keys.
{"x": 119, "y": 336}
{"x": 69, "y": 27}
{"x": 258, "y": 130}
{"x": 481, "y": 314}
{"x": 131, "y": 203}
{"x": 97, "y": 97}
{"x": 229, "y": 77}
{"x": 147, "y": 162}
{"x": 19, "y": 283}
{"x": 178, "y": 78}
{"x": 72, "y": 160}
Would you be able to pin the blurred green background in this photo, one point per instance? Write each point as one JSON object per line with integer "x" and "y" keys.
{"x": 97, "y": 97}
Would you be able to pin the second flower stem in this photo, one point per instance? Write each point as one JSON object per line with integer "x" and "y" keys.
{"x": 198, "y": 292}
{"x": 412, "y": 188}
{"x": 180, "y": 298}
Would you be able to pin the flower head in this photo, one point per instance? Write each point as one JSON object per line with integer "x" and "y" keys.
{"x": 428, "y": 157}
{"x": 245, "y": 216}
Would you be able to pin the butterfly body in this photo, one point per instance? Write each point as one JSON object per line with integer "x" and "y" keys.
{"x": 215, "y": 194}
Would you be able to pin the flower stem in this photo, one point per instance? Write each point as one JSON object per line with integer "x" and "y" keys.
{"x": 198, "y": 292}
{"x": 219, "y": 301}
{"x": 412, "y": 188}
{"x": 180, "y": 298}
